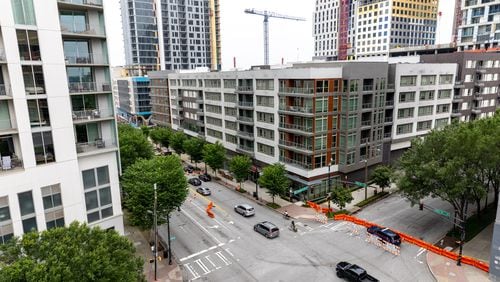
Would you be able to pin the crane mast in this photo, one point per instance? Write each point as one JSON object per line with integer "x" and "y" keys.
{"x": 267, "y": 15}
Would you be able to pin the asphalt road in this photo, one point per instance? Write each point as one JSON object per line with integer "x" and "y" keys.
{"x": 227, "y": 249}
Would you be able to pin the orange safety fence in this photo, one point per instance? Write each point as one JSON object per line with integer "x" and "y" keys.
{"x": 318, "y": 208}
{"x": 210, "y": 213}
{"x": 412, "y": 240}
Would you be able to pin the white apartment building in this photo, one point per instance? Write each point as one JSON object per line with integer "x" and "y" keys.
{"x": 58, "y": 137}
{"x": 480, "y": 24}
{"x": 422, "y": 100}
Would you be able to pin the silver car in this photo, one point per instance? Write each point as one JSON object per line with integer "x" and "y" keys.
{"x": 244, "y": 210}
{"x": 267, "y": 229}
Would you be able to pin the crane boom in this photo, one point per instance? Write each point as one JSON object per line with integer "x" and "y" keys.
{"x": 267, "y": 15}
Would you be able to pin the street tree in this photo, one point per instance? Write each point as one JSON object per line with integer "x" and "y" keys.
{"x": 382, "y": 176}
{"x": 273, "y": 178}
{"x": 133, "y": 145}
{"x": 161, "y": 136}
{"x": 177, "y": 141}
{"x": 73, "y": 253}
{"x": 214, "y": 155}
{"x": 145, "y": 130}
{"x": 194, "y": 148}
{"x": 240, "y": 167}
{"x": 341, "y": 196}
{"x": 138, "y": 181}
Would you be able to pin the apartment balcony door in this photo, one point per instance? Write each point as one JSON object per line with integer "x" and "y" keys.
{"x": 87, "y": 133}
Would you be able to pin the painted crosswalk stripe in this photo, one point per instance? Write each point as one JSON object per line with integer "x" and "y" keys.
{"x": 203, "y": 267}
{"x": 193, "y": 272}
{"x": 223, "y": 258}
{"x": 211, "y": 262}
{"x": 338, "y": 226}
{"x": 227, "y": 250}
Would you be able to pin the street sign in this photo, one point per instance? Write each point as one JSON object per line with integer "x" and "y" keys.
{"x": 442, "y": 212}
{"x": 360, "y": 184}
{"x": 300, "y": 190}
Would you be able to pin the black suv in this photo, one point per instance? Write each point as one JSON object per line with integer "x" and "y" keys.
{"x": 194, "y": 181}
{"x": 205, "y": 177}
{"x": 385, "y": 234}
{"x": 189, "y": 168}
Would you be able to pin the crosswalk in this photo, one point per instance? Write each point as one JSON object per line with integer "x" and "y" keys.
{"x": 206, "y": 264}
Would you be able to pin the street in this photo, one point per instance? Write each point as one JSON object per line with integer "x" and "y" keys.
{"x": 226, "y": 248}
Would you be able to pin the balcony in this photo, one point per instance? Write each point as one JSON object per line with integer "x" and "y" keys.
{"x": 246, "y": 135}
{"x": 87, "y": 59}
{"x": 88, "y": 87}
{"x": 4, "y": 91}
{"x": 459, "y": 84}
{"x": 3, "y": 59}
{"x": 10, "y": 163}
{"x": 388, "y": 119}
{"x": 366, "y": 123}
{"x": 90, "y": 115}
{"x": 83, "y": 30}
{"x": 478, "y": 96}
{"x": 296, "y": 127}
{"x": 364, "y": 140}
{"x": 245, "y": 149}
{"x": 294, "y": 162}
{"x": 476, "y": 110}
{"x": 296, "y": 91}
{"x": 97, "y": 145}
{"x": 244, "y": 89}
{"x": 389, "y": 103}
{"x": 390, "y": 86}
{"x": 90, "y": 3}
{"x": 479, "y": 83}
{"x": 387, "y": 135}
{"x": 296, "y": 109}
{"x": 294, "y": 145}
{"x": 456, "y": 113}
{"x": 245, "y": 104}
{"x": 458, "y": 98}
{"x": 366, "y": 105}
{"x": 367, "y": 87}
{"x": 244, "y": 119}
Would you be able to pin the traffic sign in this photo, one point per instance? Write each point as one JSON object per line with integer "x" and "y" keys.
{"x": 360, "y": 184}
{"x": 442, "y": 212}
{"x": 300, "y": 190}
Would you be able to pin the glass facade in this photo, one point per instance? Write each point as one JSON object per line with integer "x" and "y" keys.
{"x": 24, "y": 12}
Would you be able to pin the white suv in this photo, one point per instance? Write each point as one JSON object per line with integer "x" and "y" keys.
{"x": 244, "y": 210}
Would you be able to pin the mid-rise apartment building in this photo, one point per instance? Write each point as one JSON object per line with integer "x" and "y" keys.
{"x": 172, "y": 35}
{"x": 479, "y": 24}
{"x": 160, "y": 98}
{"x": 58, "y": 139}
{"x": 134, "y": 101}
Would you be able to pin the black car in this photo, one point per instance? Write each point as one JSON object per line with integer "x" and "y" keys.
{"x": 194, "y": 181}
{"x": 352, "y": 272}
{"x": 385, "y": 234}
{"x": 189, "y": 168}
{"x": 205, "y": 177}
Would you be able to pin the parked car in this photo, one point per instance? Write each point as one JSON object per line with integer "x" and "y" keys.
{"x": 267, "y": 229}
{"x": 385, "y": 234}
{"x": 244, "y": 210}
{"x": 204, "y": 191}
{"x": 352, "y": 272}
{"x": 189, "y": 168}
{"x": 205, "y": 177}
{"x": 194, "y": 181}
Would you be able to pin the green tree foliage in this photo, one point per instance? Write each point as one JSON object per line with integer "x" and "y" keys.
{"x": 177, "y": 141}
{"x": 133, "y": 145}
{"x": 382, "y": 176}
{"x": 194, "y": 148}
{"x": 214, "y": 155}
{"x": 161, "y": 136}
{"x": 138, "y": 181}
{"x": 341, "y": 196}
{"x": 240, "y": 167}
{"x": 274, "y": 179}
{"x": 145, "y": 130}
{"x": 73, "y": 253}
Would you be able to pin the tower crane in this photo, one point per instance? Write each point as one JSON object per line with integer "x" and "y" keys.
{"x": 267, "y": 15}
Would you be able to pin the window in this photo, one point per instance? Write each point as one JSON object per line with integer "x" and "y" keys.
{"x": 265, "y": 84}
{"x": 76, "y": 52}
{"x": 424, "y": 125}
{"x": 231, "y": 138}
{"x": 230, "y": 111}
{"x": 404, "y": 128}
{"x": 6, "y": 229}
{"x": 353, "y": 104}
{"x": 265, "y": 133}
{"x": 426, "y": 95}
{"x": 428, "y": 80}
{"x": 27, "y": 42}
{"x": 44, "y": 148}
{"x": 212, "y": 83}
{"x": 98, "y": 200}
{"x": 214, "y": 133}
{"x": 441, "y": 123}
{"x": 405, "y": 97}
{"x": 27, "y": 208}
{"x": 265, "y": 117}
{"x": 212, "y": 96}
{"x": 322, "y": 86}
{"x": 352, "y": 122}
{"x": 321, "y": 124}
{"x": 214, "y": 121}
{"x": 444, "y": 94}
{"x": 229, "y": 97}
{"x": 265, "y": 149}
{"x": 230, "y": 83}
{"x": 24, "y": 12}
{"x": 213, "y": 109}
{"x": 265, "y": 101}
{"x": 408, "y": 80}
{"x": 230, "y": 125}
{"x": 446, "y": 79}
{"x": 443, "y": 108}
{"x": 52, "y": 204}
{"x": 34, "y": 83}
{"x": 425, "y": 111}
{"x": 38, "y": 112}
{"x": 321, "y": 105}
{"x": 73, "y": 21}
{"x": 405, "y": 113}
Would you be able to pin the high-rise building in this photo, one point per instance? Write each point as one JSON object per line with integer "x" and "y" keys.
{"x": 58, "y": 139}
{"x": 172, "y": 35}
{"x": 480, "y": 25}
{"x": 373, "y": 27}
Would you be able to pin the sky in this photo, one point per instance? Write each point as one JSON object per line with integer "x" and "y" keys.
{"x": 242, "y": 34}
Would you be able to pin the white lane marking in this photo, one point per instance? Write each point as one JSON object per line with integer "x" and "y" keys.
{"x": 223, "y": 258}
{"x": 327, "y": 225}
{"x": 201, "y": 252}
{"x": 213, "y": 247}
{"x": 203, "y": 267}
{"x": 214, "y": 226}
{"x": 203, "y": 228}
{"x": 230, "y": 241}
{"x": 421, "y": 251}
{"x": 227, "y": 250}
{"x": 223, "y": 225}
{"x": 221, "y": 244}
{"x": 338, "y": 226}
{"x": 193, "y": 272}
{"x": 209, "y": 260}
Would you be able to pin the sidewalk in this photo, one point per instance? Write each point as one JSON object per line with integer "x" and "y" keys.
{"x": 445, "y": 269}
{"x": 165, "y": 272}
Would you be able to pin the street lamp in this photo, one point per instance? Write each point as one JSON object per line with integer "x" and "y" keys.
{"x": 156, "y": 234}
{"x": 329, "y": 184}
{"x": 168, "y": 234}
{"x": 366, "y": 178}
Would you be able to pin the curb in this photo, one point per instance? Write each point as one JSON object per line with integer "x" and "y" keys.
{"x": 429, "y": 267}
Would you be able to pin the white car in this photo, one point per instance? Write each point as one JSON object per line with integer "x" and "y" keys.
{"x": 244, "y": 210}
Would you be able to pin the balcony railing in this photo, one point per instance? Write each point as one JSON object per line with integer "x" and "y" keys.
{"x": 83, "y": 2}
{"x": 81, "y": 87}
{"x": 98, "y": 144}
{"x": 296, "y": 127}
{"x": 304, "y": 146}
{"x": 84, "y": 29}
{"x": 295, "y": 162}
{"x": 390, "y": 86}
{"x": 366, "y": 105}
{"x": 10, "y": 163}
{"x": 247, "y": 119}
{"x": 296, "y": 90}
{"x": 367, "y": 87}
{"x": 245, "y": 88}
{"x": 245, "y": 104}
{"x": 389, "y": 103}
{"x": 297, "y": 109}
{"x": 387, "y": 135}
{"x": 4, "y": 90}
{"x": 92, "y": 114}
{"x": 388, "y": 119}
{"x": 2, "y": 55}
{"x": 87, "y": 59}
{"x": 366, "y": 122}
{"x": 245, "y": 134}
{"x": 364, "y": 140}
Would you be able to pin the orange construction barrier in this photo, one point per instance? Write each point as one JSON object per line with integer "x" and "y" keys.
{"x": 412, "y": 240}
{"x": 210, "y": 213}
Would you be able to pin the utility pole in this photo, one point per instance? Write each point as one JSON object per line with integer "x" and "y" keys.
{"x": 169, "y": 246}
{"x": 366, "y": 179}
{"x": 156, "y": 234}
{"x": 329, "y": 185}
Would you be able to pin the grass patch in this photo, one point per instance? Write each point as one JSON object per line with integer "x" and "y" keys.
{"x": 332, "y": 214}
{"x": 273, "y": 205}
{"x": 476, "y": 224}
{"x": 241, "y": 190}
{"x": 371, "y": 199}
